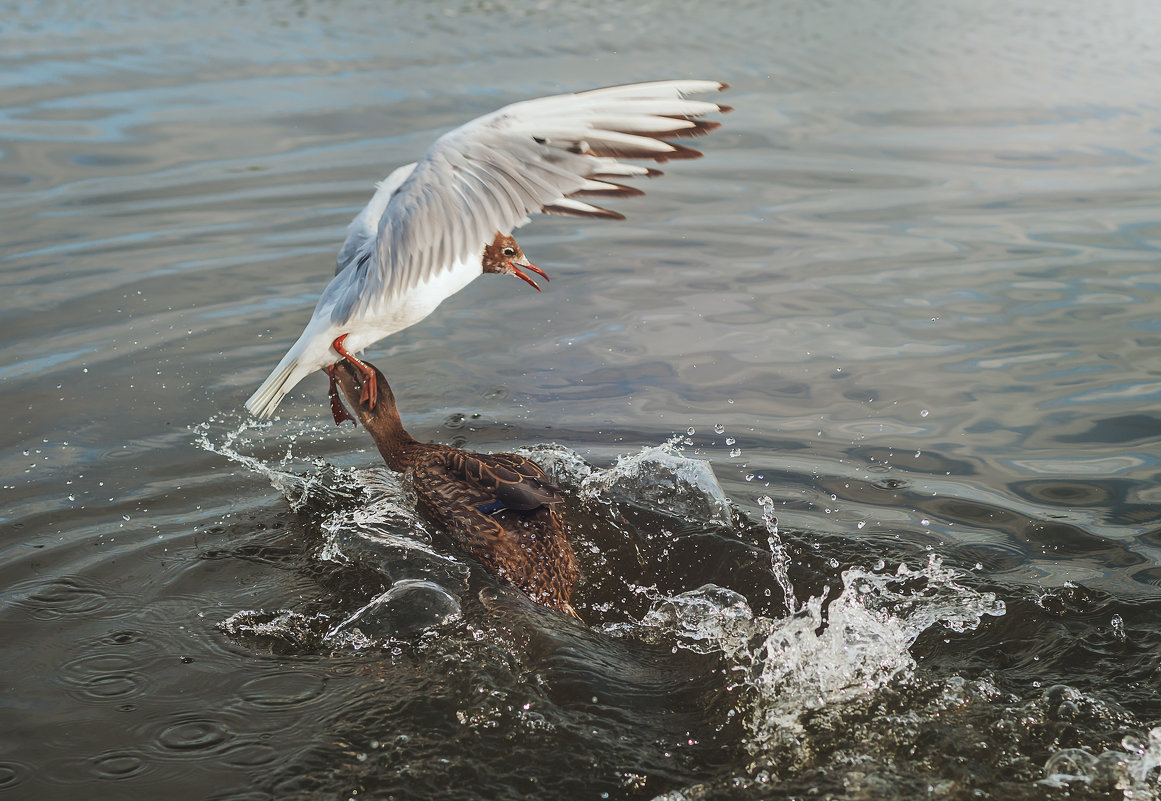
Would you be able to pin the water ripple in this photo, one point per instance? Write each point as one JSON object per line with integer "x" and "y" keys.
{"x": 193, "y": 733}
{"x": 68, "y": 597}
{"x": 12, "y": 774}
{"x": 282, "y": 689}
{"x": 119, "y": 765}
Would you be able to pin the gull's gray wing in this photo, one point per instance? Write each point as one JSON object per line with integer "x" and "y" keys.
{"x": 489, "y": 174}
{"x": 361, "y": 232}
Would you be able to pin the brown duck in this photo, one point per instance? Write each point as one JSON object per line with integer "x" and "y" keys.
{"x": 498, "y": 506}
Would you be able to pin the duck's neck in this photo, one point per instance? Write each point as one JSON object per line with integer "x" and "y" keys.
{"x": 383, "y": 423}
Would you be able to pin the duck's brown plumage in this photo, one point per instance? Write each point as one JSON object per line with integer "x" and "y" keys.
{"x": 524, "y": 542}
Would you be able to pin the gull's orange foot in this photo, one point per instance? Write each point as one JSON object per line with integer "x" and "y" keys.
{"x": 370, "y": 393}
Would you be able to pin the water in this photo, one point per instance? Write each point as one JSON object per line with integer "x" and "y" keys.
{"x": 857, "y": 413}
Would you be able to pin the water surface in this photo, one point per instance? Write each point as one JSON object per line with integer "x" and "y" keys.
{"x": 905, "y": 308}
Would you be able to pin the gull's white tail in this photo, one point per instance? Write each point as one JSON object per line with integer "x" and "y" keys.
{"x": 284, "y": 378}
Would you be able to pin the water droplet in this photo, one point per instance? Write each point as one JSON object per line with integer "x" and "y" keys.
{"x": 862, "y": 523}
{"x": 719, "y": 429}
{"x": 925, "y": 522}
{"x": 124, "y": 517}
{"x": 1132, "y": 744}
{"x": 924, "y": 413}
{"x": 735, "y": 452}
{"x": 691, "y": 431}
{"x": 730, "y": 440}
{"x": 729, "y": 400}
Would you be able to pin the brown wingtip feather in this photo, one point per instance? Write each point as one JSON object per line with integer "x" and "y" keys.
{"x": 725, "y": 109}
{"x": 699, "y": 128}
{"x": 678, "y": 152}
{"x": 723, "y": 86}
{"x": 595, "y": 213}
{"x": 649, "y": 173}
{"x": 605, "y": 150}
{"x": 614, "y": 190}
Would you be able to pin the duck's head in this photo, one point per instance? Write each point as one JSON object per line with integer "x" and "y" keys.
{"x": 505, "y": 256}
{"x": 352, "y": 382}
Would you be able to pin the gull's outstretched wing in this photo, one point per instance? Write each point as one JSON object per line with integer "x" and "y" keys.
{"x": 544, "y": 155}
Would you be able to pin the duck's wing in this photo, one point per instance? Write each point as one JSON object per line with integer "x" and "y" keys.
{"x": 486, "y": 176}
{"x": 514, "y": 481}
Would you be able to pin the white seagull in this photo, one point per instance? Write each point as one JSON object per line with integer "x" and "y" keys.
{"x": 433, "y": 226}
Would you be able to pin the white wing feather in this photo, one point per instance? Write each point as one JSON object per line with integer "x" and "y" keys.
{"x": 491, "y": 173}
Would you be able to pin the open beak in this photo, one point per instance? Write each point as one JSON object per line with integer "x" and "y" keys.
{"x": 529, "y": 266}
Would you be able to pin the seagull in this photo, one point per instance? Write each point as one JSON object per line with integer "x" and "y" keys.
{"x": 435, "y": 225}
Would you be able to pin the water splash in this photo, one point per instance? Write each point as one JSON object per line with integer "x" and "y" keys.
{"x": 1133, "y": 771}
{"x": 661, "y": 477}
{"x": 410, "y": 607}
{"x": 284, "y": 628}
{"x": 385, "y": 518}
{"x": 779, "y": 556}
{"x": 325, "y": 486}
{"x": 563, "y": 465}
{"x": 367, "y": 517}
{"x": 825, "y": 654}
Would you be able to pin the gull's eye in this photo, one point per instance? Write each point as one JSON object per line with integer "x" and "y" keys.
{"x": 509, "y": 252}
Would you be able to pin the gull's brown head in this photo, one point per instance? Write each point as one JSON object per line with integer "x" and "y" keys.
{"x": 505, "y": 256}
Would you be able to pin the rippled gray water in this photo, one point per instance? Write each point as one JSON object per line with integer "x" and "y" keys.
{"x": 906, "y": 308}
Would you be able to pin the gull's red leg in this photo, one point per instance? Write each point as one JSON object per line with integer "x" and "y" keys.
{"x": 370, "y": 393}
{"x": 337, "y": 408}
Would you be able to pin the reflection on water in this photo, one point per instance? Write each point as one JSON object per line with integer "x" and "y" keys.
{"x": 906, "y": 309}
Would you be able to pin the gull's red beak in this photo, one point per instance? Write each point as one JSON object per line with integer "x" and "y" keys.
{"x": 528, "y": 265}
